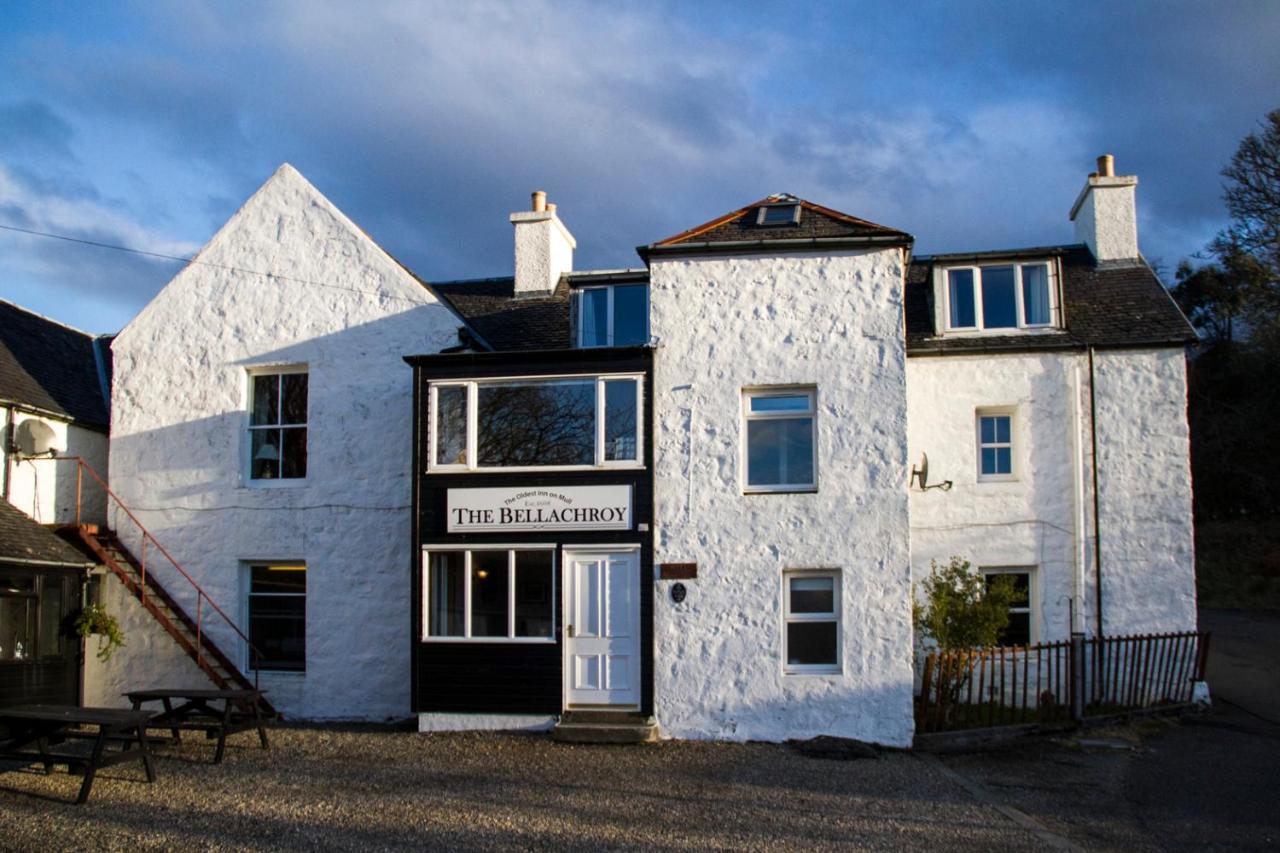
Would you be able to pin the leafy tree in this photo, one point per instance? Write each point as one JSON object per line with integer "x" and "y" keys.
{"x": 961, "y": 608}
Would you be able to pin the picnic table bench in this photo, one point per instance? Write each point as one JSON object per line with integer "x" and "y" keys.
{"x": 48, "y": 726}
{"x": 240, "y": 712}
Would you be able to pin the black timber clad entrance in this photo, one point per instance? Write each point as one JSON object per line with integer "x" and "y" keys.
{"x": 39, "y": 652}
{"x": 513, "y": 677}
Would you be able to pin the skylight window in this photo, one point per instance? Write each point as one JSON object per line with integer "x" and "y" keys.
{"x": 778, "y": 214}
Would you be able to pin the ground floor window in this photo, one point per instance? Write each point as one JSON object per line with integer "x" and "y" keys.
{"x": 1021, "y": 630}
{"x": 35, "y": 608}
{"x": 811, "y": 612}
{"x": 489, "y": 593}
{"x": 278, "y": 616}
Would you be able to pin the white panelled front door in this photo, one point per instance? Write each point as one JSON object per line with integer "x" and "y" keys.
{"x": 602, "y": 628}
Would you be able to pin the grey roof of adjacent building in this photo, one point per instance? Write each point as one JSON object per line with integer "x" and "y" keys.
{"x": 54, "y": 368}
{"x": 506, "y": 321}
{"x": 1104, "y": 305}
{"x": 23, "y": 540}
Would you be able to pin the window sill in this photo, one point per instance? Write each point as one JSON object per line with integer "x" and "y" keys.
{"x": 999, "y": 332}
{"x": 276, "y": 673}
{"x": 280, "y": 483}
{"x": 780, "y": 490}
{"x": 996, "y": 478}
{"x": 818, "y": 671}
{"x": 498, "y": 641}
{"x": 537, "y": 469}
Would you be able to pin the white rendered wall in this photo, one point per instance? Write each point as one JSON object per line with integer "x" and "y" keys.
{"x": 150, "y": 657}
{"x": 1148, "y": 563}
{"x": 46, "y": 489}
{"x": 1148, "y": 548}
{"x": 339, "y": 305}
{"x": 832, "y": 321}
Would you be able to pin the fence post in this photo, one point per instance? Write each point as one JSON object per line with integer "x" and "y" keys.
{"x": 1076, "y": 662}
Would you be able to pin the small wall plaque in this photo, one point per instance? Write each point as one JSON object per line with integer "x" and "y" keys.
{"x": 678, "y": 592}
{"x": 677, "y": 571}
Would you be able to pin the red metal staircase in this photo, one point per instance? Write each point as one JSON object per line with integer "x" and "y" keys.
{"x": 141, "y": 581}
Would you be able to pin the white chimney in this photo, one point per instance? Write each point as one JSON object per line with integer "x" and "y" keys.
{"x": 1105, "y": 213}
{"x": 544, "y": 247}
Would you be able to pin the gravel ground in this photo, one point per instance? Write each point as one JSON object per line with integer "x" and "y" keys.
{"x": 344, "y": 789}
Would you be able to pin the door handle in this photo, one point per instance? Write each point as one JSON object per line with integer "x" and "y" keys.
{"x": 569, "y": 631}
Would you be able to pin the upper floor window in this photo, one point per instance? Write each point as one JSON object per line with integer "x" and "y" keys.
{"x": 778, "y": 214}
{"x": 781, "y": 440}
{"x": 1004, "y": 296}
{"x": 995, "y": 445}
{"x": 615, "y": 315}
{"x": 278, "y": 425}
{"x": 562, "y": 422}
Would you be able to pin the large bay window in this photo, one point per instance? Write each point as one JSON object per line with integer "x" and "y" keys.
{"x": 489, "y": 594}
{"x": 1000, "y": 296}
{"x": 557, "y": 422}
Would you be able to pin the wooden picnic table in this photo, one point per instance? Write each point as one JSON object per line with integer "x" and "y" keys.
{"x": 240, "y": 712}
{"x": 48, "y": 726}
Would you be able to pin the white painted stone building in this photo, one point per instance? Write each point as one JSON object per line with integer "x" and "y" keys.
{"x": 751, "y": 403}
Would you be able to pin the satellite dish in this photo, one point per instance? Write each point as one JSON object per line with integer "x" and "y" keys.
{"x": 920, "y": 476}
{"x": 34, "y": 438}
{"x": 920, "y": 472}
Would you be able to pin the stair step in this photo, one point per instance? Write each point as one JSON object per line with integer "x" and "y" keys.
{"x": 613, "y": 718}
{"x": 604, "y": 733}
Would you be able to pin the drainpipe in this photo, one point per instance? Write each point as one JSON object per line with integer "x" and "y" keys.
{"x": 8, "y": 445}
{"x": 1097, "y": 512}
{"x": 1081, "y": 550}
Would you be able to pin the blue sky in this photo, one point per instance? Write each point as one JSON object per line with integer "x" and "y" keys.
{"x": 970, "y": 125}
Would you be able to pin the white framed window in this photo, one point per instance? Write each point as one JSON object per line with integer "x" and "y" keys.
{"x": 1001, "y": 297}
{"x": 811, "y": 621}
{"x": 1023, "y": 628}
{"x": 277, "y": 615}
{"x": 613, "y": 315}
{"x": 489, "y": 593}
{"x": 781, "y": 439}
{"x": 278, "y": 424}
{"x": 537, "y": 423}
{"x": 995, "y": 431}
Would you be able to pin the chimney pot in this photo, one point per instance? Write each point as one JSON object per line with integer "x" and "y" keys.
{"x": 551, "y": 207}
{"x": 1106, "y": 166}
{"x": 539, "y": 201}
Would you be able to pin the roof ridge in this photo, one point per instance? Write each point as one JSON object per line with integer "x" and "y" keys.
{"x": 92, "y": 336}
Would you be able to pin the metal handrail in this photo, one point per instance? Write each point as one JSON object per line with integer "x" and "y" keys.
{"x": 201, "y": 595}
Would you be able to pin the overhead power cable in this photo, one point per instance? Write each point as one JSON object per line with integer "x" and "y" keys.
{"x": 181, "y": 259}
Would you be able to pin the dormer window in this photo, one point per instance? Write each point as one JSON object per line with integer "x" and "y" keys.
{"x": 615, "y": 315}
{"x": 778, "y": 214}
{"x": 1000, "y": 297}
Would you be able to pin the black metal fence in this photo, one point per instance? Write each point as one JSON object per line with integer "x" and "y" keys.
{"x": 1058, "y": 682}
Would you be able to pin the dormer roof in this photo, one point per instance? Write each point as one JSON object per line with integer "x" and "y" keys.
{"x": 757, "y": 227}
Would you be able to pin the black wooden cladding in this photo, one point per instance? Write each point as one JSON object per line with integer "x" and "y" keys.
{"x": 514, "y": 677}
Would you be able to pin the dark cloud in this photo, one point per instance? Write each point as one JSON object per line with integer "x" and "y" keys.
{"x": 972, "y": 126}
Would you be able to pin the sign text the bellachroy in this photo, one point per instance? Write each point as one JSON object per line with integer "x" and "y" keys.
{"x": 549, "y": 508}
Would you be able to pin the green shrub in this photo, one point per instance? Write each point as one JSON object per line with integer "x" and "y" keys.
{"x": 961, "y": 608}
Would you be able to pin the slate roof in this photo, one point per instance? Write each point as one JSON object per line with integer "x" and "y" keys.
{"x": 23, "y": 539}
{"x": 818, "y": 224}
{"x": 1105, "y": 305}
{"x": 505, "y": 321}
{"x": 53, "y": 367}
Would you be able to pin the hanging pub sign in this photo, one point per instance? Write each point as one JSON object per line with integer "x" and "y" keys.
{"x": 540, "y": 508}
